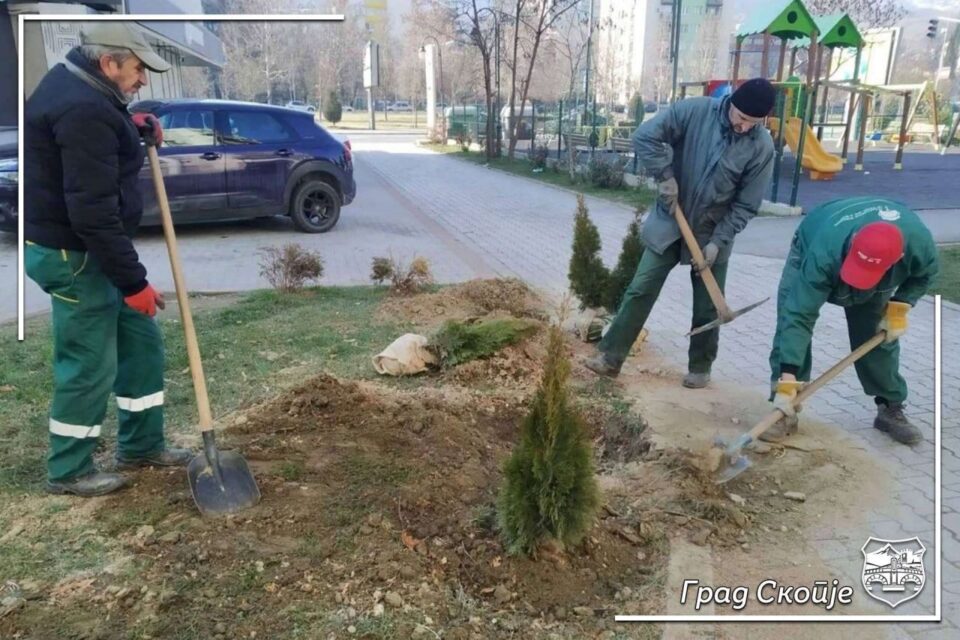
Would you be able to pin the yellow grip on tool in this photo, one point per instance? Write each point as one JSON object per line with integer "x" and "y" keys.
{"x": 894, "y": 320}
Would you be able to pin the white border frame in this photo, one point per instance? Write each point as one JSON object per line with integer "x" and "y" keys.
{"x": 935, "y": 617}
{"x": 124, "y": 17}
{"x": 839, "y": 618}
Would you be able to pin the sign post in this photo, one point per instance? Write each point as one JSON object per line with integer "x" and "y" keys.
{"x": 371, "y": 77}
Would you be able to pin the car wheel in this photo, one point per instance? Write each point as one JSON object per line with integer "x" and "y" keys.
{"x": 316, "y": 206}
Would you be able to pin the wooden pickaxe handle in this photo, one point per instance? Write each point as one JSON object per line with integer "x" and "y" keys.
{"x": 812, "y": 387}
{"x": 713, "y": 289}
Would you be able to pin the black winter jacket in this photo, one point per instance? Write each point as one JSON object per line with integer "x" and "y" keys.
{"x": 82, "y": 159}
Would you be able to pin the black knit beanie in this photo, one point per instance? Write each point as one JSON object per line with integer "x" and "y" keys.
{"x": 754, "y": 97}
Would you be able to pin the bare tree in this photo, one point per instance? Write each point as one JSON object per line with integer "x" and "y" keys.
{"x": 571, "y": 44}
{"x": 663, "y": 69}
{"x": 531, "y": 20}
{"x": 702, "y": 65}
{"x": 866, "y": 13}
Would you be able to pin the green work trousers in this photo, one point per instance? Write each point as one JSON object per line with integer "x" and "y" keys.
{"x": 878, "y": 371}
{"x": 99, "y": 345}
{"x": 638, "y": 301}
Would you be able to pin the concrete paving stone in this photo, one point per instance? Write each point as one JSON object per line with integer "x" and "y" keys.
{"x": 933, "y": 631}
{"x": 951, "y": 522}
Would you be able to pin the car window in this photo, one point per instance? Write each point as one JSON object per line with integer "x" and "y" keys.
{"x": 188, "y": 128}
{"x": 251, "y": 127}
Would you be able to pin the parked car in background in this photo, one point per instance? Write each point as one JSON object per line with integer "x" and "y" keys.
{"x": 301, "y": 106}
{"x": 347, "y": 107}
{"x": 225, "y": 160}
{"x": 9, "y": 178}
{"x": 400, "y": 105}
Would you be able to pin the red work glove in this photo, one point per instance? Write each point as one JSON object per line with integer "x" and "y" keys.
{"x": 149, "y": 128}
{"x": 146, "y": 301}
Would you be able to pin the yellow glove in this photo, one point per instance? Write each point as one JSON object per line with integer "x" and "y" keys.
{"x": 786, "y": 395}
{"x": 894, "y": 320}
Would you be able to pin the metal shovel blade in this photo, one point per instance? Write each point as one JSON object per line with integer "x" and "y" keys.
{"x": 721, "y": 321}
{"x": 732, "y": 461}
{"x": 731, "y": 469}
{"x": 231, "y": 489}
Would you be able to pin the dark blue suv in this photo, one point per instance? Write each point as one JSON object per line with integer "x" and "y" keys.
{"x": 9, "y": 177}
{"x": 224, "y": 160}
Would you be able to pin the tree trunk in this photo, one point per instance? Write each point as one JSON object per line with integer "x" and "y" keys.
{"x": 511, "y": 123}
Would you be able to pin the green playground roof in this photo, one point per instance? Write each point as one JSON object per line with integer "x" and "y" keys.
{"x": 836, "y": 30}
{"x": 787, "y": 22}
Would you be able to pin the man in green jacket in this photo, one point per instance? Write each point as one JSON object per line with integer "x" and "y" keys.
{"x": 710, "y": 156}
{"x": 875, "y": 258}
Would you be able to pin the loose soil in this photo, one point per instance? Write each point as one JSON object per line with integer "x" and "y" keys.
{"x": 378, "y": 520}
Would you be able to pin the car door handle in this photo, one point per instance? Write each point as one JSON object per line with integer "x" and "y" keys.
{"x": 210, "y": 155}
{"x": 284, "y": 153}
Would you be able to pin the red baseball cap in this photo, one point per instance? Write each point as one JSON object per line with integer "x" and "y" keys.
{"x": 874, "y": 249}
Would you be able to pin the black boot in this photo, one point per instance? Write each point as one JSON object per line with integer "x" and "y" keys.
{"x": 890, "y": 420}
{"x": 601, "y": 364}
{"x": 169, "y": 457}
{"x": 92, "y": 484}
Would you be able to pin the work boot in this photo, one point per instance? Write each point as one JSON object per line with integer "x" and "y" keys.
{"x": 694, "y": 380}
{"x": 602, "y": 365}
{"x": 97, "y": 483}
{"x": 890, "y": 420}
{"x": 169, "y": 457}
{"x": 785, "y": 426}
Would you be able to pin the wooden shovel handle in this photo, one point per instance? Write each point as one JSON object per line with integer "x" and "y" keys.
{"x": 812, "y": 387}
{"x": 713, "y": 289}
{"x": 190, "y": 334}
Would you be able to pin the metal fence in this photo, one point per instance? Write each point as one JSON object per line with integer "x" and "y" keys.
{"x": 554, "y": 126}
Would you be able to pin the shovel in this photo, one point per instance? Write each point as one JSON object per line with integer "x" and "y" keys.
{"x": 729, "y": 461}
{"x": 724, "y": 314}
{"x": 221, "y": 482}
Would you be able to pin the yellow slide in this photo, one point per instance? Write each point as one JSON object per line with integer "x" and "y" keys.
{"x": 822, "y": 165}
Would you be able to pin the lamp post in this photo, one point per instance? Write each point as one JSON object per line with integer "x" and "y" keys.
{"x": 496, "y": 32}
{"x": 443, "y": 111}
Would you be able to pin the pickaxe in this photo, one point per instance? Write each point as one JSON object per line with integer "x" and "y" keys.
{"x": 724, "y": 314}
{"x": 727, "y": 459}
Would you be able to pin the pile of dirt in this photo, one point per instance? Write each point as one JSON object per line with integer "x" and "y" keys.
{"x": 374, "y": 499}
{"x": 469, "y": 299}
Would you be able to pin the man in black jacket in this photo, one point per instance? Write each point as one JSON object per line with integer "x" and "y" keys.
{"x": 82, "y": 205}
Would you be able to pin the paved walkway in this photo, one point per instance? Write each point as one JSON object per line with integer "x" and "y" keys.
{"x": 524, "y": 229}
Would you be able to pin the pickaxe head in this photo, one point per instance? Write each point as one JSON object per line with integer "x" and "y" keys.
{"x": 733, "y": 462}
{"x": 724, "y": 320}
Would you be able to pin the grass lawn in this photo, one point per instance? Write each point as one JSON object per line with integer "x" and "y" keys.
{"x": 392, "y": 120}
{"x": 323, "y": 328}
{"x": 948, "y": 282}
{"x": 632, "y": 196}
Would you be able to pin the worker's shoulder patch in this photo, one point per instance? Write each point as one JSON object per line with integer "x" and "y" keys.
{"x": 890, "y": 215}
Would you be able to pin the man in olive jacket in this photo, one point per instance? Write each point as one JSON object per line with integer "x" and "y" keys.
{"x": 82, "y": 158}
{"x": 710, "y": 156}
{"x": 875, "y": 258}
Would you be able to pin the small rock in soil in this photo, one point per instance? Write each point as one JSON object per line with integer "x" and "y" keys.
{"x": 737, "y": 500}
{"x": 378, "y": 610}
{"x": 583, "y": 612}
{"x": 170, "y": 538}
{"x": 393, "y": 599}
{"x": 795, "y": 496}
{"x": 501, "y": 594}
